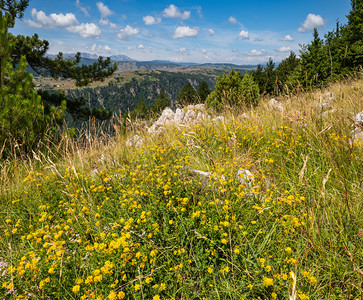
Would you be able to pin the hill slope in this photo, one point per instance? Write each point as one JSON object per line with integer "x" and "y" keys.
{"x": 180, "y": 217}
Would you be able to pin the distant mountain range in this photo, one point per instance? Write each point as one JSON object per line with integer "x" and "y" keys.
{"x": 126, "y": 63}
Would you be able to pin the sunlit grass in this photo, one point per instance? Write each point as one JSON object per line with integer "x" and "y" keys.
{"x": 110, "y": 222}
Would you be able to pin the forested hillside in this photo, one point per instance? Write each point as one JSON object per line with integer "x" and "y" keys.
{"x": 118, "y": 96}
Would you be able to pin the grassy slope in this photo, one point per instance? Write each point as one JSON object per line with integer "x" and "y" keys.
{"x": 146, "y": 226}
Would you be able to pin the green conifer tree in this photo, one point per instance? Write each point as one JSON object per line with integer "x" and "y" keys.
{"x": 187, "y": 95}
{"x": 203, "y": 91}
{"x": 161, "y": 102}
{"x": 22, "y": 119}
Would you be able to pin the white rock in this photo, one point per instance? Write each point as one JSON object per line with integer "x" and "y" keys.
{"x": 189, "y": 116}
{"x": 179, "y": 116}
{"x": 200, "y": 106}
{"x": 328, "y": 112}
{"x": 152, "y": 129}
{"x": 205, "y": 174}
{"x": 166, "y": 117}
{"x": 160, "y": 130}
{"x": 276, "y": 104}
{"x": 359, "y": 118}
{"x": 245, "y": 176}
{"x": 326, "y": 96}
{"x": 357, "y": 134}
{"x": 218, "y": 119}
{"x": 134, "y": 141}
{"x": 201, "y": 117}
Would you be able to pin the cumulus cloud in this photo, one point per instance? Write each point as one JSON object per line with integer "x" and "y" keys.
{"x": 85, "y": 30}
{"x": 104, "y": 10}
{"x": 106, "y": 22}
{"x": 127, "y": 31}
{"x": 141, "y": 46}
{"x": 311, "y": 22}
{"x": 150, "y": 20}
{"x": 83, "y": 8}
{"x": 255, "y": 52}
{"x": 284, "y": 49}
{"x": 184, "y": 51}
{"x": 41, "y": 20}
{"x": 185, "y": 31}
{"x": 232, "y": 20}
{"x": 287, "y": 38}
{"x": 211, "y": 32}
{"x": 203, "y": 51}
{"x": 173, "y": 12}
{"x": 99, "y": 48}
{"x": 243, "y": 35}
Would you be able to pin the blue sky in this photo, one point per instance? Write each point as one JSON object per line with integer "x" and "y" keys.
{"x": 240, "y": 32}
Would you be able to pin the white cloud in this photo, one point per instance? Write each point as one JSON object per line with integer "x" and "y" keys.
{"x": 185, "y": 31}
{"x": 104, "y": 10}
{"x": 85, "y": 30}
{"x": 173, "y": 12}
{"x": 51, "y": 21}
{"x": 203, "y": 51}
{"x": 184, "y": 51}
{"x": 287, "y": 38}
{"x": 243, "y": 35}
{"x": 83, "y": 8}
{"x": 141, "y": 46}
{"x": 150, "y": 20}
{"x": 255, "y": 52}
{"x": 106, "y": 22}
{"x": 128, "y": 31}
{"x": 311, "y": 22}
{"x": 284, "y": 49}
{"x": 232, "y": 20}
{"x": 211, "y": 32}
{"x": 100, "y": 49}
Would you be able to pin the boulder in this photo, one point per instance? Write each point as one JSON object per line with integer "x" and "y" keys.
{"x": 276, "y": 104}
{"x": 134, "y": 141}
{"x": 245, "y": 177}
{"x": 179, "y": 116}
{"x": 327, "y": 100}
{"x": 359, "y": 118}
{"x": 357, "y": 134}
{"x": 189, "y": 116}
{"x": 328, "y": 112}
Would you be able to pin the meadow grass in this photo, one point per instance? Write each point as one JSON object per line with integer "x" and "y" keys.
{"x": 103, "y": 221}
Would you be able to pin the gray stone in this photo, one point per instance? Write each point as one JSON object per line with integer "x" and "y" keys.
{"x": 359, "y": 118}
{"x": 179, "y": 116}
{"x": 276, "y": 104}
{"x": 245, "y": 177}
{"x": 328, "y": 112}
{"x": 134, "y": 141}
{"x": 189, "y": 116}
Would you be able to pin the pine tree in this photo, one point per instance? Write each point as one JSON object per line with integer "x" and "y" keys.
{"x": 22, "y": 119}
{"x": 353, "y": 33}
{"x": 161, "y": 102}
{"x": 34, "y": 50}
{"x": 233, "y": 89}
{"x": 187, "y": 95}
{"x": 203, "y": 91}
{"x": 140, "y": 111}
